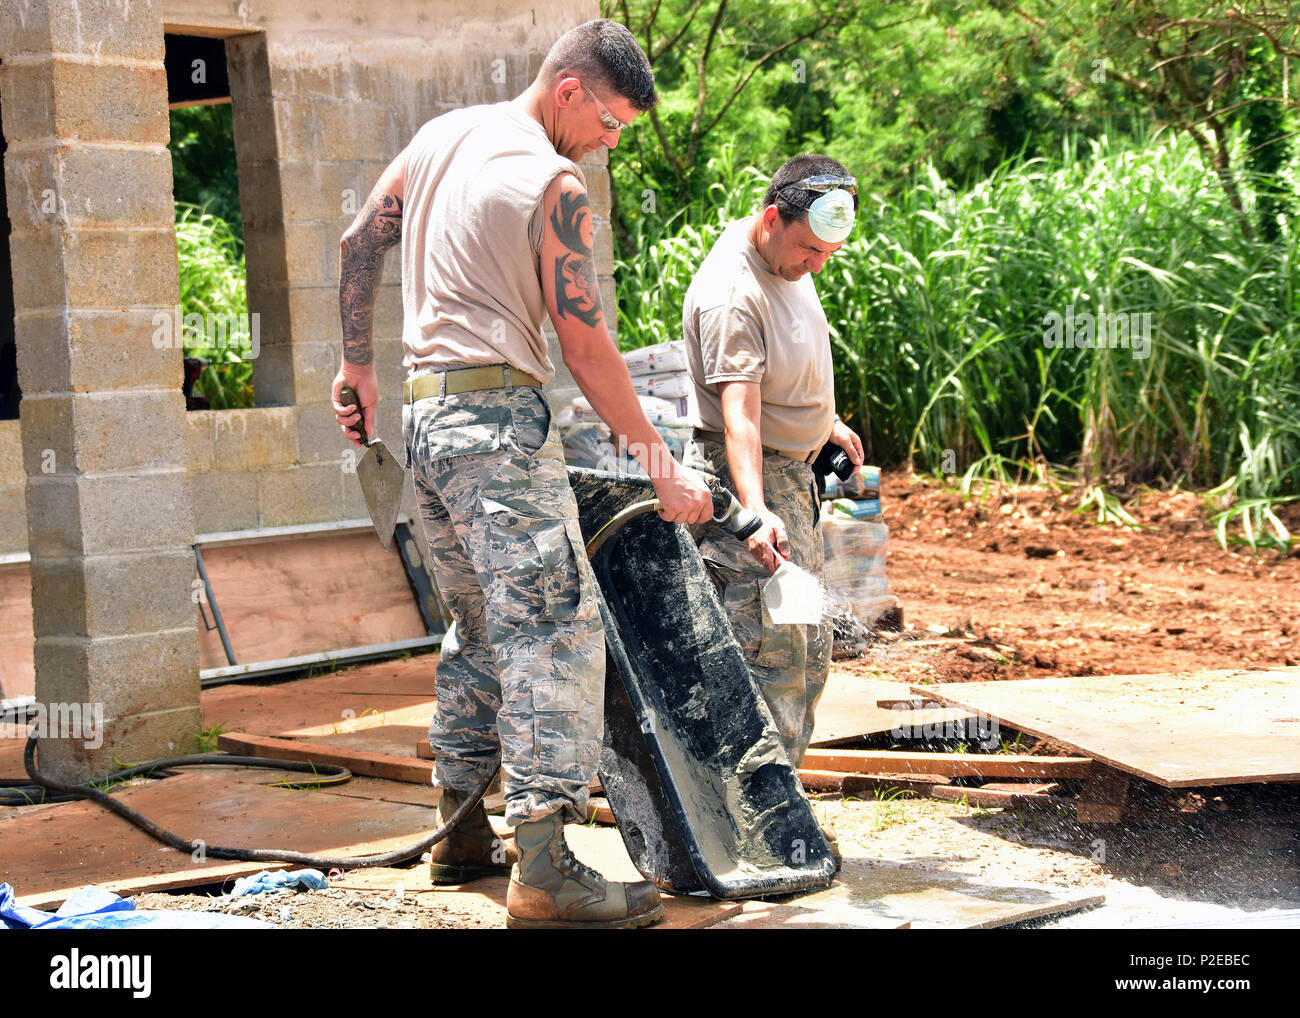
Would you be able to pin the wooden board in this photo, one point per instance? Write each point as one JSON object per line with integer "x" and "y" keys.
{"x": 17, "y": 671}
{"x": 390, "y": 740}
{"x": 50, "y": 851}
{"x": 282, "y": 599}
{"x": 379, "y": 693}
{"x": 847, "y": 710}
{"x": 410, "y": 677}
{"x": 1179, "y": 730}
{"x": 358, "y": 761}
{"x": 955, "y": 765}
{"x": 875, "y": 896}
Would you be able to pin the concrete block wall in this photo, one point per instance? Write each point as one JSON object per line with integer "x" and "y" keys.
{"x": 321, "y": 106}
{"x": 322, "y": 103}
{"x": 106, "y": 480}
{"x": 107, "y": 495}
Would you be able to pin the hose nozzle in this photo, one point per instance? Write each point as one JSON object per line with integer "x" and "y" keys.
{"x": 729, "y": 514}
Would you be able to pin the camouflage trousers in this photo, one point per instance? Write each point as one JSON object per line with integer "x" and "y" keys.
{"x": 522, "y": 670}
{"x": 789, "y": 663}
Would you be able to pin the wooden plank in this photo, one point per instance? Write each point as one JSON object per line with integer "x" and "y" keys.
{"x": 17, "y": 642}
{"x": 860, "y": 785}
{"x": 1178, "y": 730}
{"x": 387, "y": 740}
{"x": 374, "y": 765}
{"x": 51, "y": 851}
{"x": 1103, "y": 797}
{"x": 423, "y": 750}
{"x": 1035, "y": 795}
{"x": 284, "y": 598}
{"x": 968, "y": 765}
{"x": 847, "y": 711}
{"x": 318, "y": 705}
{"x": 412, "y": 677}
{"x": 821, "y": 781}
{"x": 599, "y": 812}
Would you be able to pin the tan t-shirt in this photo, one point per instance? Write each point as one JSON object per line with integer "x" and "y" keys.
{"x": 471, "y": 241}
{"x": 744, "y": 323}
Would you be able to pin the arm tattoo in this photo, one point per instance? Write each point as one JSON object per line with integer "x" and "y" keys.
{"x": 361, "y": 263}
{"x": 577, "y": 292}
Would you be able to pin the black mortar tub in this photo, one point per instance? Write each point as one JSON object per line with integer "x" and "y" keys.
{"x": 694, "y": 771}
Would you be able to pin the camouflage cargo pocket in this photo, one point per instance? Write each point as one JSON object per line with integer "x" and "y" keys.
{"x": 465, "y": 440}
{"x": 530, "y": 415}
{"x": 537, "y": 565}
{"x": 763, "y": 642}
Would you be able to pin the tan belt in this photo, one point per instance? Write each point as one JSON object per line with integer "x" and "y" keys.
{"x": 448, "y": 383}
{"x": 718, "y": 436}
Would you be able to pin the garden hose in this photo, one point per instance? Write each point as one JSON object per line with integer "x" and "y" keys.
{"x": 727, "y": 512}
{"x": 321, "y": 774}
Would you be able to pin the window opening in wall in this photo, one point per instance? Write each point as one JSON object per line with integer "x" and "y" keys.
{"x": 214, "y": 326}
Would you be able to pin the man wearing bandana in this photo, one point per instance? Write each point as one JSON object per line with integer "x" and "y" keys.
{"x": 760, "y": 363}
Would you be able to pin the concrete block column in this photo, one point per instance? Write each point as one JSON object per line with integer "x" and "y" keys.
{"x": 109, "y": 517}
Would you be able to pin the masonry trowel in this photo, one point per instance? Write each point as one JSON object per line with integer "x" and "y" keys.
{"x": 381, "y": 475}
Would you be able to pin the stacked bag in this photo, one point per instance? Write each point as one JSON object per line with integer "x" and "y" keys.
{"x": 854, "y": 538}
{"x": 663, "y": 386}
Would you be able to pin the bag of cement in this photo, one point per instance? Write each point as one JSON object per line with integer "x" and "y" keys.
{"x": 855, "y": 565}
{"x": 670, "y": 413}
{"x": 675, "y": 437}
{"x": 669, "y": 356}
{"x": 668, "y": 385}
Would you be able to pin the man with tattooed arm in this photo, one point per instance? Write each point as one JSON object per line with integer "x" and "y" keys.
{"x": 495, "y": 228}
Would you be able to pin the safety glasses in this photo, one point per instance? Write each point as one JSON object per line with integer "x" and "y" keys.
{"x": 607, "y": 119}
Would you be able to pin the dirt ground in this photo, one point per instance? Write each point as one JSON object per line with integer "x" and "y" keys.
{"x": 1047, "y": 591}
{"x": 1182, "y": 857}
{"x": 1014, "y": 586}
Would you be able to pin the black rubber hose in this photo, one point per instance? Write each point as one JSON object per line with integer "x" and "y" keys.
{"x": 332, "y": 775}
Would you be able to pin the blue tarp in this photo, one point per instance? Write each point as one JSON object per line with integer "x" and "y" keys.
{"x": 280, "y": 880}
{"x": 93, "y": 908}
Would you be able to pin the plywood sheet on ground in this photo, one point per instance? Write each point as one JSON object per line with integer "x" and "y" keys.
{"x": 847, "y": 711}
{"x": 391, "y": 740}
{"x": 411, "y": 676}
{"x": 50, "y": 851}
{"x": 1183, "y": 729}
{"x": 315, "y": 705}
{"x": 17, "y": 674}
{"x": 281, "y": 599}
{"x": 483, "y": 902}
{"x": 875, "y": 896}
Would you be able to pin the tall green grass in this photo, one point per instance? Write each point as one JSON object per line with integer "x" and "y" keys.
{"x": 213, "y": 281}
{"x": 937, "y": 309}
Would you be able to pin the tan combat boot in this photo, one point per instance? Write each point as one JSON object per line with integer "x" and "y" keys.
{"x": 470, "y": 851}
{"x": 549, "y": 889}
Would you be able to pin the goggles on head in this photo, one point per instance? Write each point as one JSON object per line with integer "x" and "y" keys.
{"x": 831, "y": 213}
{"x": 825, "y": 182}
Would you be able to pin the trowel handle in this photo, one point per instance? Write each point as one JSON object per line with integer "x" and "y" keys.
{"x": 349, "y": 395}
{"x": 729, "y": 513}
